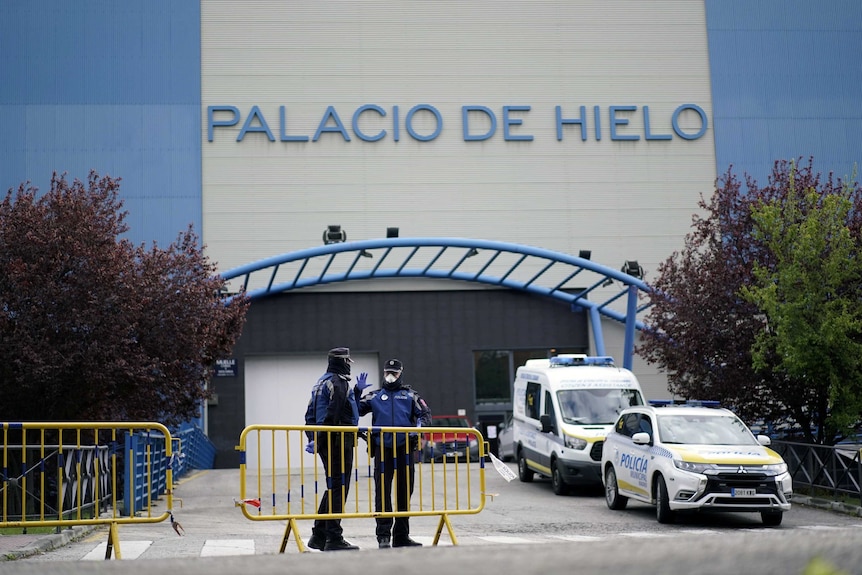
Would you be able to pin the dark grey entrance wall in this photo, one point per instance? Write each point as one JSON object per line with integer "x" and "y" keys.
{"x": 434, "y": 333}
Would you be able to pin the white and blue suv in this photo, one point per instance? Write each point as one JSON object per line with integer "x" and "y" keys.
{"x": 692, "y": 457}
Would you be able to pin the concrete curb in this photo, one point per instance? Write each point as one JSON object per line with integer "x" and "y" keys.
{"x": 49, "y": 542}
{"x": 827, "y": 504}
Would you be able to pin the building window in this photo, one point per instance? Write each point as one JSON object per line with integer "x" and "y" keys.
{"x": 494, "y": 371}
{"x": 493, "y": 377}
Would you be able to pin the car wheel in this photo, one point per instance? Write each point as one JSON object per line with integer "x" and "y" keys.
{"x": 524, "y": 473}
{"x": 771, "y": 518}
{"x": 557, "y": 482}
{"x": 612, "y": 493}
{"x": 662, "y": 502}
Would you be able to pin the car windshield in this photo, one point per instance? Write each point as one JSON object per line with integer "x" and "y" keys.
{"x": 704, "y": 430}
{"x": 595, "y": 406}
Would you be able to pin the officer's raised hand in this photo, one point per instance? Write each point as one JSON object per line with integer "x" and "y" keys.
{"x": 362, "y": 381}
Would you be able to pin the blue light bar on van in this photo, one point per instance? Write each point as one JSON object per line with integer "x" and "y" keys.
{"x": 580, "y": 359}
{"x": 684, "y": 402}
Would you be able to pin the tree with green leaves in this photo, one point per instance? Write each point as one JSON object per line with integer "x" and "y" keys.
{"x": 709, "y": 328}
{"x": 93, "y": 328}
{"x": 810, "y": 298}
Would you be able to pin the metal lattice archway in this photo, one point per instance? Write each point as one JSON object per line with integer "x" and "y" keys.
{"x": 507, "y": 265}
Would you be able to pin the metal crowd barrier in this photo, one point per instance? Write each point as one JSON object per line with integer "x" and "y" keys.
{"x": 85, "y": 473}
{"x": 280, "y": 481}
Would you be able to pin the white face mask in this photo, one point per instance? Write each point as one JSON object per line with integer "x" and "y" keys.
{"x": 390, "y": 377}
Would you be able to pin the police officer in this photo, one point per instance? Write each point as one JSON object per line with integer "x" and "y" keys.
{"x": 395, "y": 405}
{"x": 332, "y": 403}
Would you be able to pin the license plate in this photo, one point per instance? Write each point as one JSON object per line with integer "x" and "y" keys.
{"x": 736, "y": 492}
{"x": 454, "y": 454}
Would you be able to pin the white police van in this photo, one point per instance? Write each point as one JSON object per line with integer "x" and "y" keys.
{"x": 563, "y": 407}
{"x": 693, "y": 456}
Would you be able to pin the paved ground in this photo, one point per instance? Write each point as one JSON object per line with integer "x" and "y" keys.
{"x": 197, "y": 487}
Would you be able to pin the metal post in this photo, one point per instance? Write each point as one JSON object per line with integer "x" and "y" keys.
{"x": 631, "y": 317}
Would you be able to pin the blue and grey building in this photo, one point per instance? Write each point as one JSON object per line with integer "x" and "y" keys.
{"x": 581, "y": 128}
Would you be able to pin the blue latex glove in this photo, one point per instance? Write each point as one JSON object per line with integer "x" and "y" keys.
{"x": 310, "y": 447}
{"x": 362, "y": 381}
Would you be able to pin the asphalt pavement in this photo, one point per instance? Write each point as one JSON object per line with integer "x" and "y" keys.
{"x": 204, "y": 502}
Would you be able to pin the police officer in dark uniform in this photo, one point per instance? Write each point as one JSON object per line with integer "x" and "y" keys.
{"x": 395, "y": 405}
{"x": 332, "y": 403}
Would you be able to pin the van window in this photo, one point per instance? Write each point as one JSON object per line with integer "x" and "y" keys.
{"x": 549, "y": 410}
{"x": 595, "y": 406}
{"x": 532, "y": 398}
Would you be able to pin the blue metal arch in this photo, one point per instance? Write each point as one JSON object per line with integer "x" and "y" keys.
{"x": 392, "y": 263}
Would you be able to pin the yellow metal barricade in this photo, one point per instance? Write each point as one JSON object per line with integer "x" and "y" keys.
{"x": 59, "y": 474}
{"x": 281, "y": 481}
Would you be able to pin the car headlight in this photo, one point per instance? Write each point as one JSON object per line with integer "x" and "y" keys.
{"x": 775, "y": 468}
{"x": 473, "y": 442}
{"x": 574, "y": 442}
{"x": 692, "y": 467}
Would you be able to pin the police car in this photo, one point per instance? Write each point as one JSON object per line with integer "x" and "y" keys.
{"x": 692, "y": 456}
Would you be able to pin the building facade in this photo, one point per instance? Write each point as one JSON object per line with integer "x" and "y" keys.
{"x": 564, "y": 125}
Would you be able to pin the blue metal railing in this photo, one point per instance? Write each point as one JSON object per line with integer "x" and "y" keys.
{"x": 148, "y": 463}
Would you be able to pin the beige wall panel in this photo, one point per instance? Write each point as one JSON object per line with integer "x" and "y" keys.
{"x": 622, "y": 200}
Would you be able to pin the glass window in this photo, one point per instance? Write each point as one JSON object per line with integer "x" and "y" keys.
{"x": 704, "y": 430}
{"x": 532, "y": 399}
{"x": 645, "y": 424}
{"x": 630, "y": 424}
{"x": 493, "y": 376}
{"x": 595, "y": 406}
{"x": 494, "y": 371}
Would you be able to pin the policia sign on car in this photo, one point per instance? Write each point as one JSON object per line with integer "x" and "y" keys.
{"x": 563, "y": 407}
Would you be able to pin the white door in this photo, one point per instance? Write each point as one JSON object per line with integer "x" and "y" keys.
{"x": 277, "y": 390}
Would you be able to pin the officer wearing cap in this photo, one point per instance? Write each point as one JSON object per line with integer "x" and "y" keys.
{"x": 396, "y": 404}
{"x": 332, "y": 403}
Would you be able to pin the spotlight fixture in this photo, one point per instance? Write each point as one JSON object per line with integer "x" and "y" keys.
{"x": 585, "y": 254}
{"x": 391, "y": 232}
{"x": 472, "y": 252}
{"x": 334, "y": 235}
{"x": 633, "y": 268}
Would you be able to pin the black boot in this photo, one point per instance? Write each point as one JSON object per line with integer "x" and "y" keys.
{"x": 405, "y": 541}
{"x": 317, "y": 541}
{"x": 339, "y": 545}
{"x": 384, "y": 542}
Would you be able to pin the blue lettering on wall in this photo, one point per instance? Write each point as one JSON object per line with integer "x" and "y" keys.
{"x": 508, "y": 121}
{"x": 465, "y": 123}
{"x": 408, "y": 121}
{"x": 373, "y": 123}
{"x": 282, "y": 124}
{"x": 379, "y": 135}
{"x": 330, "y": 114}
{"x": 696, "y": 109}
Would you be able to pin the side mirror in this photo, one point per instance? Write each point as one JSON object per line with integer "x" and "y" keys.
{"x": 641, "y": 438}
{"x": 546, "y": 423}
{"x": 764, "y": 440}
